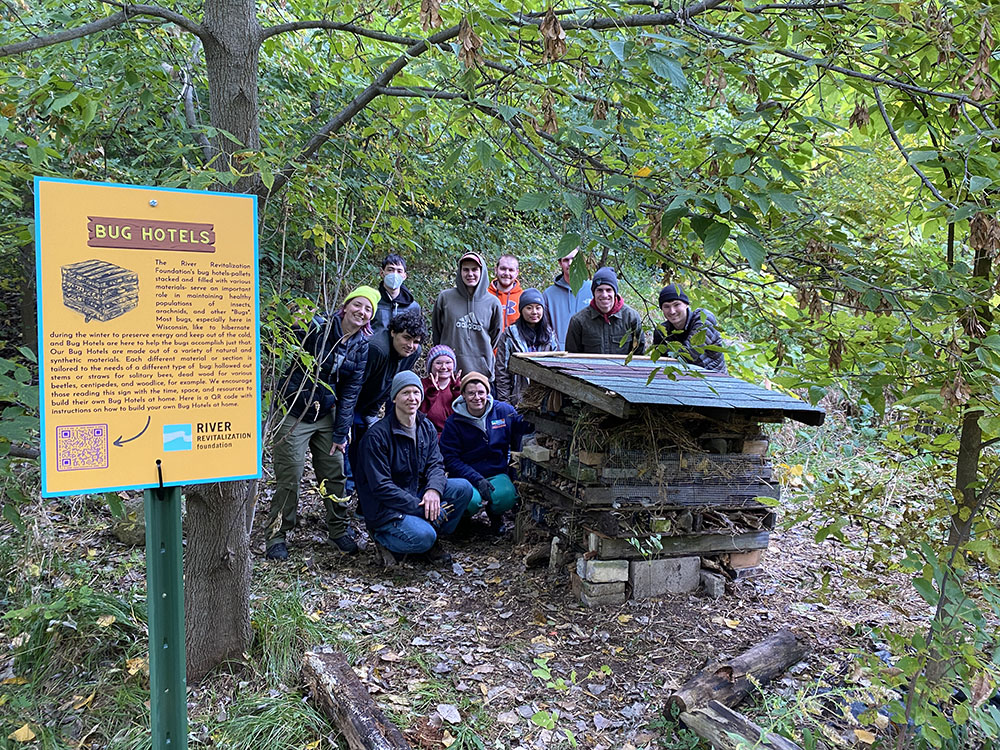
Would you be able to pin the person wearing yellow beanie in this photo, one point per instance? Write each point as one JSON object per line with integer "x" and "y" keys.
{"x": 320, "y": 401}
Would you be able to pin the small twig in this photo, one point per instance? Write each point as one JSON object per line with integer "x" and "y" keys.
{"x": 902, "y": 150}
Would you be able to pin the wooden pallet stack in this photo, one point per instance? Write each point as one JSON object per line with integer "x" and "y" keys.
{"x": 658, "y": 488}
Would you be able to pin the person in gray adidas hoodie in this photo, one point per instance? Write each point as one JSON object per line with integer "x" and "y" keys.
{"x": 468, "y": 318}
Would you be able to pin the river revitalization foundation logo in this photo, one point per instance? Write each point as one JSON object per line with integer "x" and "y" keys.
{"x": 177, "y": 437}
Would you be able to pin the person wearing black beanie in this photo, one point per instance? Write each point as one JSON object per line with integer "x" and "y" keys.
{"x": 531, "y": 332}
{"x": 607, "y": 325}
{"x": 688, "y": 333}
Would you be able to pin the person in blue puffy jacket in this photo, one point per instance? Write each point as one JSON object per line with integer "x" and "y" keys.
{"x": 476, "y": 443}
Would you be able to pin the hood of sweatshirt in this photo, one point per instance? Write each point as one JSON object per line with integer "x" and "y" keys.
{"x": 405, "y": 296}
{"x": 462, "y": 410}
{"x": 482, "y": 289}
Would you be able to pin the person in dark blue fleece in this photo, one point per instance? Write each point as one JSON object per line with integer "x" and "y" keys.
{"x": 476, "y": 443}
{"x": 402, "y": 489}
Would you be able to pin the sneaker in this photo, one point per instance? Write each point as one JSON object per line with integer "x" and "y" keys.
{"x": 345, "y": 544}
{"x": 277, "y": 551}
{"x": 437, "y": 555}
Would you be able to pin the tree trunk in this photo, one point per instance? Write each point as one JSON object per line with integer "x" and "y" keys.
{"x": 728, "y": 682}
{"x": 232, "y": 52}
{"x": 984, "y": 238}
{"x": 347, "y": 704}
{"x": 29, "y": 313}
{"x": 726, "y": 729}
{"x": 217, "y": 560}
{"x": 217, "y": 575}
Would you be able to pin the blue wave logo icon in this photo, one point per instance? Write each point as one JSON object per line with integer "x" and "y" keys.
{"x": 177, "y": 437}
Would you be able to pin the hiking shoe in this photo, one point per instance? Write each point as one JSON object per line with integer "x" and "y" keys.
{"x": 346, "y": 544}
{"x": 437, "y": 555}
{"x": 277, "y": 551}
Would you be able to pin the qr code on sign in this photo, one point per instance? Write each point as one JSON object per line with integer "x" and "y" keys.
{"x": 82, "y": 446}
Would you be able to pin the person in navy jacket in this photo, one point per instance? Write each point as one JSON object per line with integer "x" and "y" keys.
{"x": 402, "y": 489}
{"x": 476, "y": 443}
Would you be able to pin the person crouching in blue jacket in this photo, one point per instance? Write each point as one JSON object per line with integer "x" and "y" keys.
{"x": 403, "y": 492}
{"x": 476, "y": 443}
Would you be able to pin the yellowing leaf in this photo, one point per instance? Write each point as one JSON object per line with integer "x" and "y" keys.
{"x": 624, "y": 618}
{"x": 313, "y": 745}
{"x": 24, "y": 734}
{"x": 864, "y": 735}
{"x": 447, "y": 740}
{"x": 137, "y": 664}
{"x": 106, "y": 621}
{"x": 731, "y": 623}
{"x": 644, "y": 172}
{"x": 314, "y": 616}
{"x": 15, "y": 681}
{"x": 83, "y": 702}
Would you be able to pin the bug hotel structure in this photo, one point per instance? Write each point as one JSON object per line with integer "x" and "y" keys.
{"x": 655, "y": 472}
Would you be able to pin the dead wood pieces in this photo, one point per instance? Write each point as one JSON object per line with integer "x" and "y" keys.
{"x": 728, "y": 682}
{"x": 726, "y": 729}
{"x": 347, "y": 704}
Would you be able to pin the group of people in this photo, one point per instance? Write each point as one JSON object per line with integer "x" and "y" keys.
{"x": 441, "y": 452}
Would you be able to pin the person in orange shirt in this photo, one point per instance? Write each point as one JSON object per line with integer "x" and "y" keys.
{"x": 506, "y": 288}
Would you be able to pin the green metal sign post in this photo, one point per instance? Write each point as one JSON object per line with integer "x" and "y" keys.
{"x": 165, "y": 602}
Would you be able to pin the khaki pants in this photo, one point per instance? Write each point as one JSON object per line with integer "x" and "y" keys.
{"x": 289, "y": 454}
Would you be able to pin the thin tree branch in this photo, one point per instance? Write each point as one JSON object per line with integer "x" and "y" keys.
{"x": 362, "y": 100}
{"x": 902, "y": 150}
{"x": 155, "y": 11}
{"x": 421, "y": 92}
{"x": 190, "y": 116}
{"x": 115, "y": 19}
{"x": 821, "y": 63}
{"x": 337, "y": 26}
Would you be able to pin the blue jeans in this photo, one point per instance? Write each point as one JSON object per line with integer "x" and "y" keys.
{"x": 414, "y": 534}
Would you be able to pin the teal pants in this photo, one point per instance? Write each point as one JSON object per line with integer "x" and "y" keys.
{"x": 504, "y": 497}
{"x": 292, "y": 440}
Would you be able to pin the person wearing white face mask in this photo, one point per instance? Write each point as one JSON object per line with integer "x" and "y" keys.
{"x": 395, "y": 297}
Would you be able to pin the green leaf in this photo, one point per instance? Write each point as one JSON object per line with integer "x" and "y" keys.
{"x": 578, "y": 273}
{"x": 544, "y": 719}
{"x": 926, "y": 590}
{"x": 13, "y": 517}
{"x": 667, "y": 68}
{"x": 64, "y": 101}
{"x": 618, "y": 48}
{"x": 741, "y": 165}
{"x": 715, "y": 237}
{"x": 670, "y": 218}
{"x": 916, "y": 157}
{"x": 115, "y": 503}
{"x": 567, "y": 244}
{"x": 752, "y": 250}
{"x": 89, "y": 110}
{"x": 533, "y": 201}
{"x": 575, "y": 204}
{"x": 784, "y": 201}
{"x": 977, "y": 183}
{"x": 816, "y": 394}
{"x": 450, "y": 160}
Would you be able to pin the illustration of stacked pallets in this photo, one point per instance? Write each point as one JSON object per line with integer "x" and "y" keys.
{"x": 98, "y": 289}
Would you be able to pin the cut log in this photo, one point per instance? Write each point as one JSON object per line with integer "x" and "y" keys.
{"x": 726, "y": 729}
{"x": 728, "y": 682}
{"x": 346, "y": 702}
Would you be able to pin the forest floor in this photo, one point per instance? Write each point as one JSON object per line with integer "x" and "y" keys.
{"x": 526, "y": 665}
{"x": 481, "y": 653}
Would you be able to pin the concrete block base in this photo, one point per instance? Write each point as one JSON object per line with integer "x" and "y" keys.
{"x": 677, "y": 575}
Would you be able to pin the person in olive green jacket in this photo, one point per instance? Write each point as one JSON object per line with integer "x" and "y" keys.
{"x": 607, "y": 325}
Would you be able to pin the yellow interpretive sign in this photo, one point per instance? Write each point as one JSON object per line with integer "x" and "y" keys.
{"x": 149, "y": 354}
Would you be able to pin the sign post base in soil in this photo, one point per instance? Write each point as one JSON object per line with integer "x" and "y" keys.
{"x": 165, "y": 603}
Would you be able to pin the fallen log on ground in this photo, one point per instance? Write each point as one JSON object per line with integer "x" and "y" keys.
{"x": 728, "y": 682}
{"x": 727, "y": 729}
{"x": 346, "y": 702}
